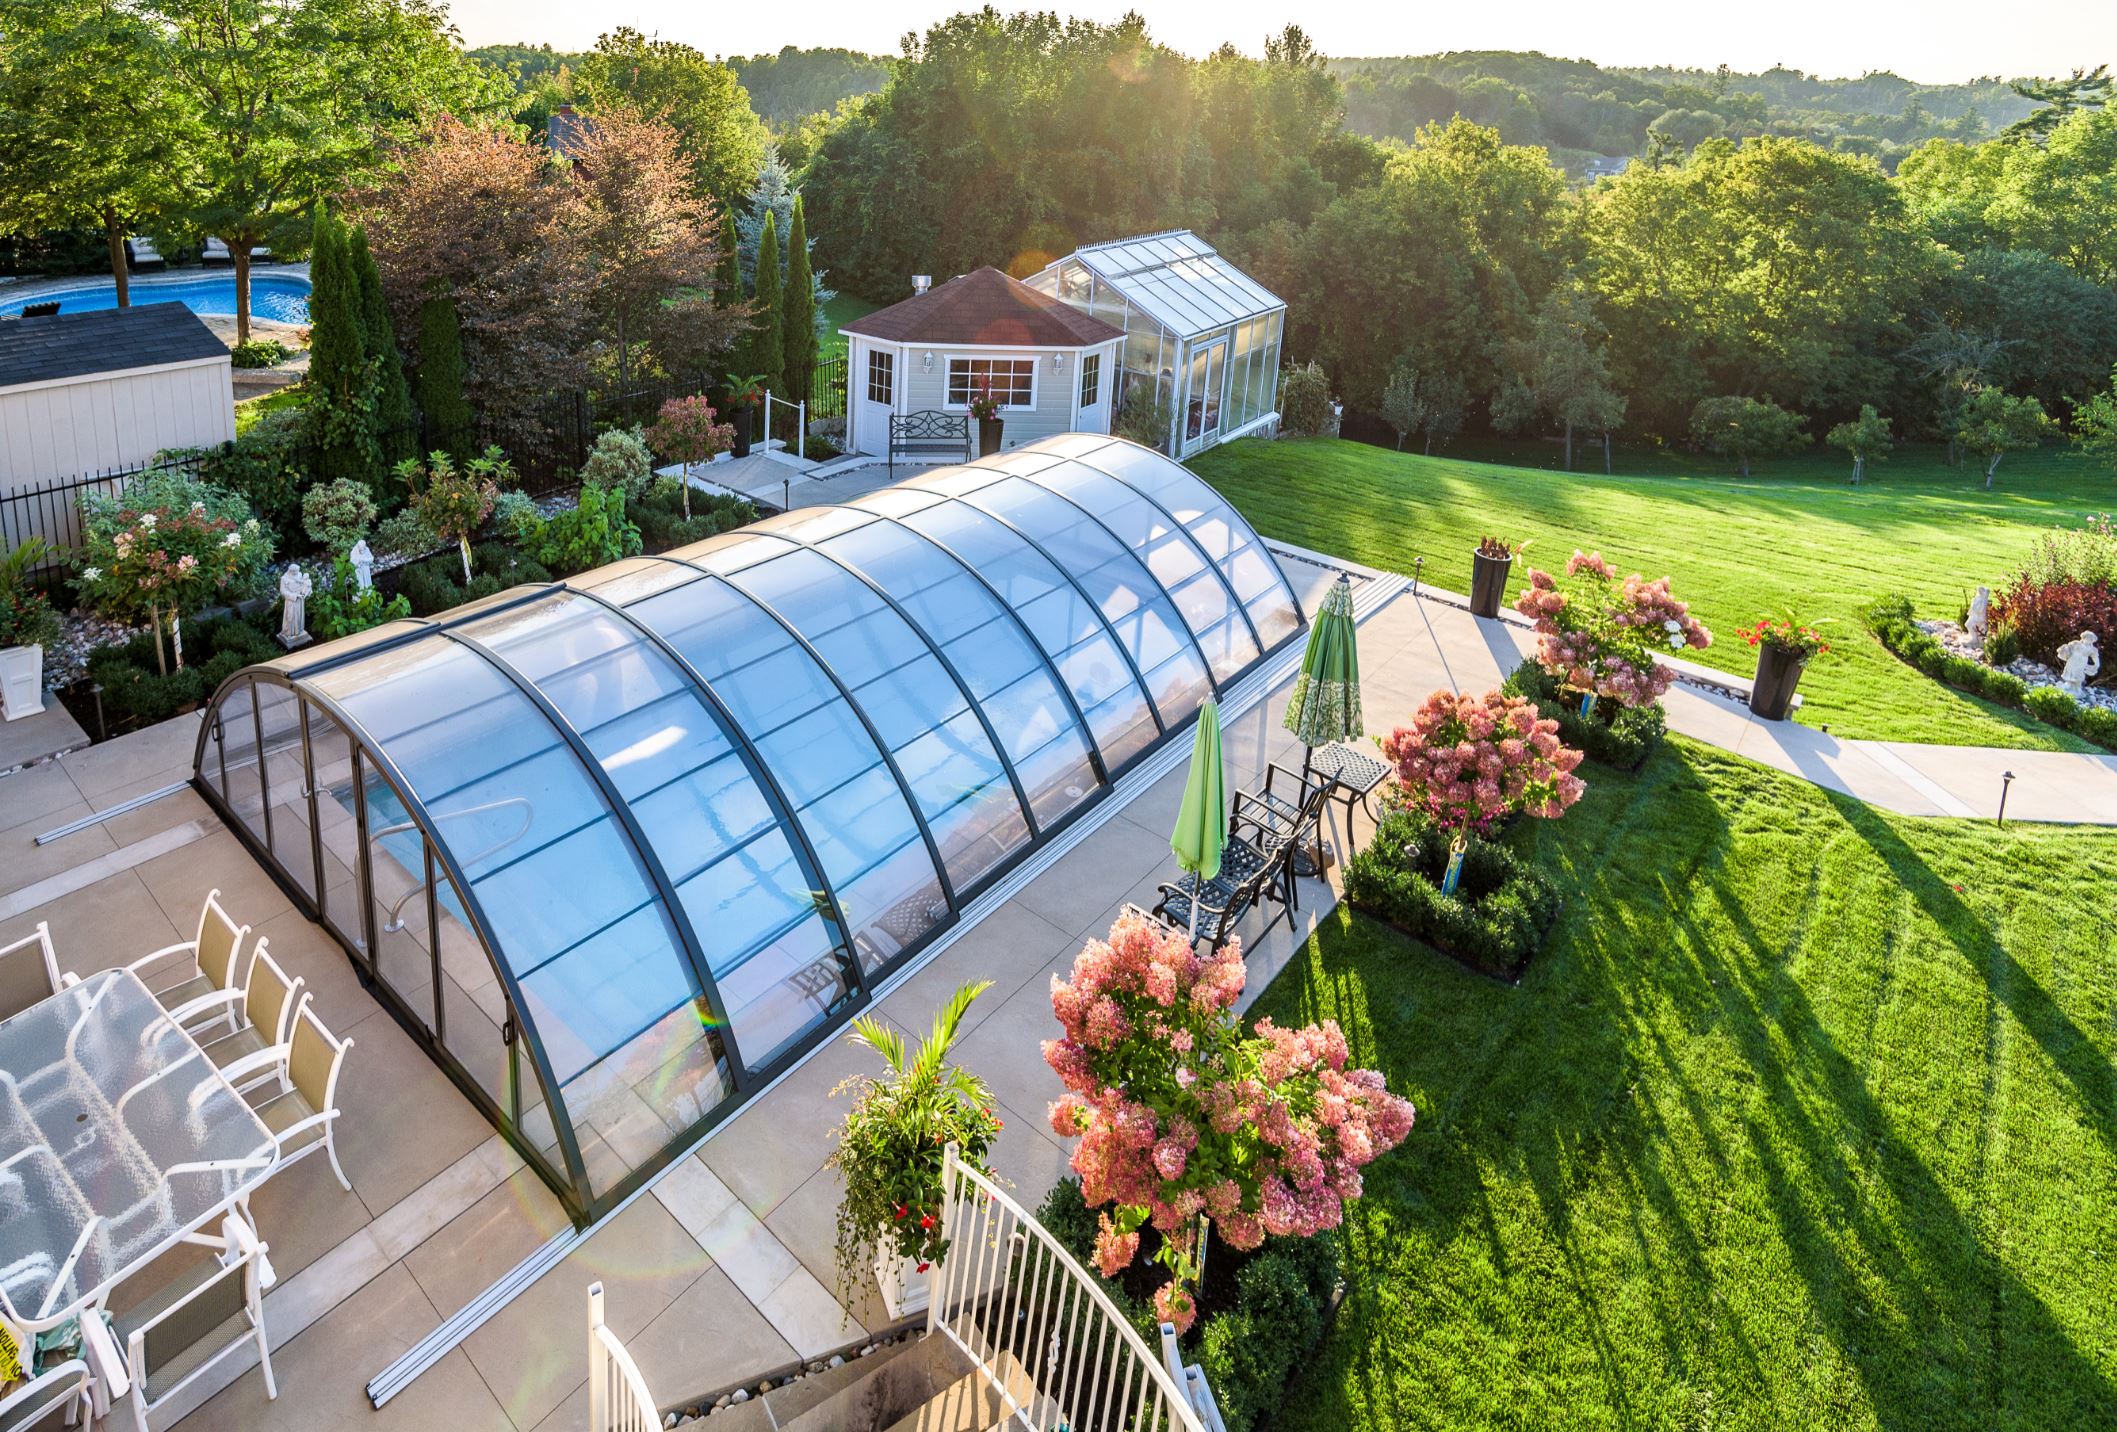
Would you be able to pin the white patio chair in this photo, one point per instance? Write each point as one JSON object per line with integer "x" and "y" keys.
{"x": 50, "y": 1400}
{"x": 179, "y": 1334}
{"x": 267, "y": 1003}
{"x": 302, "y": 1116}
{"x": 215, "y": 963}
{"x": 25, "y": 981}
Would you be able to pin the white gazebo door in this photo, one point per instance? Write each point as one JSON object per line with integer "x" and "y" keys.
{"x": 1209, "y": 370}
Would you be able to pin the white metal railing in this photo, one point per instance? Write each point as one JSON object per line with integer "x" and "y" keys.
{"x": 801, "y": 422}
{"x": 1048, "y": 1340}
{"x": 618, "y": 1400}
{"x": 1192, "y": 1378}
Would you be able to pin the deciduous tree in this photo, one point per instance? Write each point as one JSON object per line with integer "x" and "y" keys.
{"x": 720, "y": 138}
{"x": 1865, "y": 440}
{"x": 1746, "y": 429}
{"x": 1995, "y": 423}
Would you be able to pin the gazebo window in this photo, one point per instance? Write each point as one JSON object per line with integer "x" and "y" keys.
{"x": 615, "y": 850}
{"x": 1013, "y": 381}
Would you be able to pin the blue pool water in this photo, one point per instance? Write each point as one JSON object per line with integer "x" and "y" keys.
{"x": 277, "y": 297}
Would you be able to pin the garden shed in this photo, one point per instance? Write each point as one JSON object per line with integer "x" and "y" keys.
{"x": 617, "y": 850}
{"x": 1200, "y": 334}
{"x": 109, "y": 388}
{"x": 1052, "y": 367}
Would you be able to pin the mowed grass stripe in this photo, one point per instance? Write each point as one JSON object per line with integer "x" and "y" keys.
{"x": 1740, "y": 1152}
{"x": 1796, "y": 536}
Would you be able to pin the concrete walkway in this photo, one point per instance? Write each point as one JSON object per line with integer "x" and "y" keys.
{"x": 1446, "y": 646}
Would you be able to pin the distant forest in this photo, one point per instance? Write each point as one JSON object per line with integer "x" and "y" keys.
{"x": 784, "y": 89}
{"x": 1579, "y": 110}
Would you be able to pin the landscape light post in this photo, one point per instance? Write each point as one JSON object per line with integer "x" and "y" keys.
{"x": 2006, "y": 779}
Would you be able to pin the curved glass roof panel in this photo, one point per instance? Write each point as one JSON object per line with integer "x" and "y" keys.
{"x": 690, "y": 809}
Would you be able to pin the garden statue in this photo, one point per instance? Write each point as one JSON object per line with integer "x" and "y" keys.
{"x": 295, "y": 589}
{"x": 363, "y": 562}
{"x": 2081, "y": 660}
{"x": 1980, "y": 609}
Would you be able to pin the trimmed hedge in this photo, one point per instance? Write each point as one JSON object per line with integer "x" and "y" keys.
{"x": 1891, "y": 619}
{"x": 1262, "y": 1312}
{"x": 1493, "y": 923}
{"x": 436, "y": 584}
{"x": 213, "y": 651}
{"x": 1613, "y": 734}
{"x": 662, "y": 524}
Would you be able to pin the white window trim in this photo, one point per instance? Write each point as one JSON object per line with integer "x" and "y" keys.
{"x": 1034, "y": 358}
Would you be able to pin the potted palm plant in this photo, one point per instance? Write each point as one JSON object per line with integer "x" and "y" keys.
{"x": 1489, "y": 566}
{"x": 1785, "y": 646}
{"x": 27, "y": 625}
{"x": 891, "y": 1151}
{"x": 744, "y": 394}
{"x": 985, "y": 407}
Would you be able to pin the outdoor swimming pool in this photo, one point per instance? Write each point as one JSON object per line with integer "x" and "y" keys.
{"x": 275, "y": 297}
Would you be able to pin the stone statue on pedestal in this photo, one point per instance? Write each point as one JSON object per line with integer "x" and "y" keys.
{"x": 295, "y": 589}
{"x": 2082, "y": 660}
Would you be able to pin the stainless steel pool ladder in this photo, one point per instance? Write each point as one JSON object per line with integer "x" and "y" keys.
{"x": 396, "y": 920}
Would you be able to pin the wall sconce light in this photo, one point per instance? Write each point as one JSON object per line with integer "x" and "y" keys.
{"x": 928, "y": 361}
{"x": 1058, "y": 362}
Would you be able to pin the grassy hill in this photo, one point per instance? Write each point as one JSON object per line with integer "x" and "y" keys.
{"x": 1804, "y": 1118}
{"x": 1795, "y": 536}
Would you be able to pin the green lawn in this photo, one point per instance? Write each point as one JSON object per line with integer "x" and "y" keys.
{"x": 841, "y": 310}
{"x": 1796, "y": 535}
{"x": 1804, "y": 1118}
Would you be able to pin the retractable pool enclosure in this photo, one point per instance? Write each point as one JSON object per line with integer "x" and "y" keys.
{"x": 616, "y": 849}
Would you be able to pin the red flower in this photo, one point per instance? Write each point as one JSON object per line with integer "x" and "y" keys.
{"x": 902, "y": 1210}
{"x": 927, "y": 1221}
{"x": 924, "y": 1266}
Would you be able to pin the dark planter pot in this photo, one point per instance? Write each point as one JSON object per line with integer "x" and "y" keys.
{"x": 1488, "y": 583}
{"x": 989, "y": 435}
{"x": 1778, "y": 673}
{"x": 742, "y": 431}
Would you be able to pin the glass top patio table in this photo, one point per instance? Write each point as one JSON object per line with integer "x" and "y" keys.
{"x": 118, "y": 1136}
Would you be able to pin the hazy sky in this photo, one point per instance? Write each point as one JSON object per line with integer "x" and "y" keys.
{"x": 1932, "y": 41}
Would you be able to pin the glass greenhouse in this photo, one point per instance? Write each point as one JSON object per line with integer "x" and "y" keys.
{"x": 1203, "y": 335}
{"x": 618, "y": 848}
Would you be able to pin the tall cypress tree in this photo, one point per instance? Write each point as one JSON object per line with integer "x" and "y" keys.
{"x": 440, "y": 378}
{"x": 798, "y": 333}
{"x": 393, "y": 397}
{"x": 768, "y": 353}
{"x": 341, "y": 386}
{"x": 728, "y": 293}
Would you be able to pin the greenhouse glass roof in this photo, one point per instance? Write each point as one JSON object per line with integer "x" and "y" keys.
{"x": 1180, "y": 279}
{"x": 671, "y": 820}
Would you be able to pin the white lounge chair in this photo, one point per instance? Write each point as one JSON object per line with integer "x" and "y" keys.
{"x": 216, "y": 253}
{"x": 141, "y": 255}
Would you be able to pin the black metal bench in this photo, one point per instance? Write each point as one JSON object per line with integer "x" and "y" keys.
{"x": 929, "y": 432}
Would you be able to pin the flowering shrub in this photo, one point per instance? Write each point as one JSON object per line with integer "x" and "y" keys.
{"x": 1602, "y": 637}
{"x": 1784, "y": 634}
{"x": 26, "y": 618}
{"x": 1470, "y": 761}
{"x": 1180, "y": 1114}
{"x": 894, "y": 1142}
{"x": 166, "y": 547}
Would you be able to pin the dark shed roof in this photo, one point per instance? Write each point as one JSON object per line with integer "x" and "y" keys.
{"x": 103, "y": 340}
{"x": 985, "y": 307}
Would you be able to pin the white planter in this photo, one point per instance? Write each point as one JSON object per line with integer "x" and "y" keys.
{"x": 905, "y": 1289}
{"x": 21, "y": 681}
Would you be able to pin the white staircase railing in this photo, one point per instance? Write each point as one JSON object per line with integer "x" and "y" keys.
{"x": 1048, "y": 1340}
{"x": 618, "y": 1400}
{"x": 1192, "y": 1378}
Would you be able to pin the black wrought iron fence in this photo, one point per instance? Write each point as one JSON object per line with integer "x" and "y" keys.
{"x": 827, "y": 388}
{"x": 52, "y": 510}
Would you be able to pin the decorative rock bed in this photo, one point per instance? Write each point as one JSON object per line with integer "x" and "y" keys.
{"x": 2034, "y": 673}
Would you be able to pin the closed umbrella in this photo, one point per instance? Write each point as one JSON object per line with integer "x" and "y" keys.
{"x": 1325, "y": 704}
{"x": 1201, "y": 823}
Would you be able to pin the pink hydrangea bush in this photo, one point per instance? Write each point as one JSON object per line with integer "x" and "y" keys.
{"x": 1470, "y": 761}
{"x": 1179, "y": 1113}
{"x": 1602, "y": 636}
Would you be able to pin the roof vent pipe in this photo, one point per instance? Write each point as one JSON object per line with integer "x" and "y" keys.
{"x": 920, "y": 282}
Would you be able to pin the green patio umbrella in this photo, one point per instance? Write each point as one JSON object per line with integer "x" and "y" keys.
{"x": 1325, "y": 706}
{"x": 1201, "y": 824}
